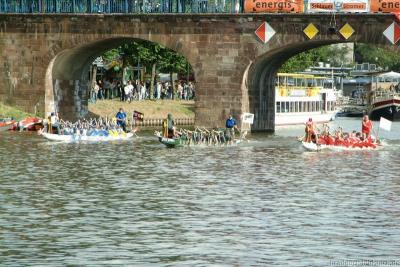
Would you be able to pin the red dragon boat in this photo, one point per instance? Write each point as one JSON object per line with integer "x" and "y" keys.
{"x": 6, "y": 124}
{"x": 28, "y": 124}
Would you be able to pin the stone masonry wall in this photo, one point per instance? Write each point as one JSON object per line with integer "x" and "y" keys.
{"x": 44, "y": 57}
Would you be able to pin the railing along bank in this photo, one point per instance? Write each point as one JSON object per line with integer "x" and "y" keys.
{"x": 121, "y": 6}
{"x": 159, "y": 122}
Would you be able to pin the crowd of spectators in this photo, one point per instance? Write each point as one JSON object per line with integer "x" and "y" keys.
{"x": 139, "y": 90}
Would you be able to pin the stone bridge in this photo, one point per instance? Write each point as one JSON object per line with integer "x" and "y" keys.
{"x": 45, "y": 58}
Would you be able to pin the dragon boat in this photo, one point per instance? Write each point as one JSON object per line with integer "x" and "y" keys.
{"x": 28, "y": 124}
{"x": 6, "y": 124}
{"x": 86, "y": 138}
{"x": 199, "y": 137}
{"x": 357, "y": 146}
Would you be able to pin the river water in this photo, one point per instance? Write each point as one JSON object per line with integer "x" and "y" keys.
{"x": 263, "y": 203}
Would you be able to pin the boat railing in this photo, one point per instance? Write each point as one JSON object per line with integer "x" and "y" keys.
{"x": 285, "y": 90}
{"x": 159, "y": 122}
{"x": 382, "y": 95}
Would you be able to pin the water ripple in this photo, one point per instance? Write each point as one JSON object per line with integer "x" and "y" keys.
{"x": 266, "y": 203}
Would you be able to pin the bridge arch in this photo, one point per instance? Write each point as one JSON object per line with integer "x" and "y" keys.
{"x": 260, "y": 79}
{"x": 67, "y": 84}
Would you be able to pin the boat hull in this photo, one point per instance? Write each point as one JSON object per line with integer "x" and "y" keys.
{"x": 178, "y": 142}
{"x": 5, "y": 126}
{"x": 389, "y": 110}
{"x": 319, "y": 147}
{"x": 170, "y": 142}
{"x": 84, "y": 138}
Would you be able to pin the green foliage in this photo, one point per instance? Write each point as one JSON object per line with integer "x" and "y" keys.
{"x": 172, "y": 62}
{"x": 335, "y": 55}
{"x": 7, "y": 111}
{"x": 382, "y": 57}
{"x": 148, "y": 54}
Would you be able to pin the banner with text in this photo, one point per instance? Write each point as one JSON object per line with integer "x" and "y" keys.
{"x": 348, "y": 6}
{"x": 248, "y": 118}
{"x": 273, "y": 6}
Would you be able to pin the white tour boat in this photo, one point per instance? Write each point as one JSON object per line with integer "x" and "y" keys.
{"x": 299, "y": 97}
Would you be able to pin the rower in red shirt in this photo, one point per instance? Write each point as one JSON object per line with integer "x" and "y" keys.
{"x": 366, "y": 127}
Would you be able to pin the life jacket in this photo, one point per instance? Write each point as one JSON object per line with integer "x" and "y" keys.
{"x": 339, "y": 142}
{"x": 330, "y": 141}
{"x": 170, "y": 124}
{"x": 321, "y": 141}
{"x": 230, "y": 123}
{"x": 366, "y": 128}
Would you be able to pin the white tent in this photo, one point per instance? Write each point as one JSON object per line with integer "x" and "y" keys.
{"x": 391, "y": 74}
{"x": 387, "y": 77}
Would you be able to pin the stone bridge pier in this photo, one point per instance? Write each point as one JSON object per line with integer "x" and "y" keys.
{"x": 46, "y": 57}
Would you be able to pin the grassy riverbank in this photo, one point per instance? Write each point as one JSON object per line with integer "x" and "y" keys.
{"x": 12, "y": 112}
{"x": 152, "y": 109}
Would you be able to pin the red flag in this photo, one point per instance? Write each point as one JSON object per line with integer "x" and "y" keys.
{"x": 138, "y": 116}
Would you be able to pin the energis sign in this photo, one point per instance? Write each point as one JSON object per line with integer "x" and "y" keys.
{"x": 273, "y": 6}
{"x": 338, "y": 6}
{"x": 385, "y": 6}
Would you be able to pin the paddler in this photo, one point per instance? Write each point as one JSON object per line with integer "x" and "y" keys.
{"x": 366, "y": 127}
{"x": 230, "y": 127}
{"x": 121, "y": 119}
{"x": 310, "y": 131}
{"x": 170, "y": 126}
{"x": 54, "y": 121}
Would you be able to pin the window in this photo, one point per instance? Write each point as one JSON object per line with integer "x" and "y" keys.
{"x": 286, "y": 106}
{"x": 301, "y": 106}
{"x": 278, "y": 107}
{"x": 292, "y": 106}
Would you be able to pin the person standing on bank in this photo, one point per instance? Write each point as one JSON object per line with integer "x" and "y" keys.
{"x": 121, "y": 119}
{"x": 230, "y": 127}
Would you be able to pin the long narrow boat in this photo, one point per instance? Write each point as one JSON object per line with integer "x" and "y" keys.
{"x": 183, "y": 141}
{"x": 28, "y": 124}
{"x": 319, "y": 147}
{"x": 171, "y": 142}
{"x": 6, "y": 125}
{"x": 85, "y": 138}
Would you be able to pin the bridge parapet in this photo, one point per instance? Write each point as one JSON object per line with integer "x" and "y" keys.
{"x": 120, "y": 6}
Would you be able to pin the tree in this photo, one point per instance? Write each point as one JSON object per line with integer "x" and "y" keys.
{"x": 171, "y": 63}
{"x": 152, "y": 55}
{"x": 334, "y": 54}
{"x": 382, "y": 57}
